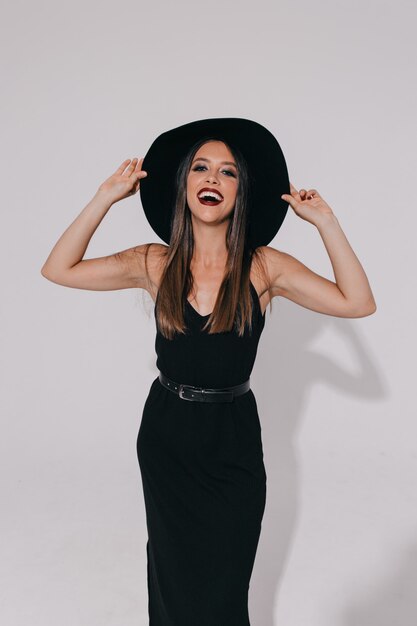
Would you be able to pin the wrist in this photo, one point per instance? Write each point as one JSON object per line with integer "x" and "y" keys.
{"x": 325, "y": 219}
{"x": 104, "y": 197}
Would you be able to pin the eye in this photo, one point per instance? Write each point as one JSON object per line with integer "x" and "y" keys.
{"x": 198, "y": 167}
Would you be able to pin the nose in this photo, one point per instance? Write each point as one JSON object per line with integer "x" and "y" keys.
{"x": 211, "y": 177}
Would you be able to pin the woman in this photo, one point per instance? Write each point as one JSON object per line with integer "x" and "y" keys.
{"x": 215, "y": 191}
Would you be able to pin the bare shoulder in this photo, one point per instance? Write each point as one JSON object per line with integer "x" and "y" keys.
{"x": 274, "y": 264}
{"x": 281, "y": 266}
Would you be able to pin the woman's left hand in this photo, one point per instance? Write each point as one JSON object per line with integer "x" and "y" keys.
{"x": 307, "y": 204}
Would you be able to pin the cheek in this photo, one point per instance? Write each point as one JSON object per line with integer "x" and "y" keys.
{"x": 232, "y": 189}
{"x": 192, "y": 183}
{"x": 190, "y": 195}
{"x": 190, "y": 187}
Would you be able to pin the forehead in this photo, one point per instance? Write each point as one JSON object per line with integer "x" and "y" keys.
{"x": 213, "y": 147}
{"x": 216, "y": 151}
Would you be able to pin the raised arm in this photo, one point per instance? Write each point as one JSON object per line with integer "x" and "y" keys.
{"x": 350, "y": 295}
{"x": 128, "y": 268}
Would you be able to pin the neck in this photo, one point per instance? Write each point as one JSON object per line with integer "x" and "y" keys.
{"x": 210, "y": 244}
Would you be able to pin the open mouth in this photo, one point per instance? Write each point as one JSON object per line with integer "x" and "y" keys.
{"x": 210, "y": 198}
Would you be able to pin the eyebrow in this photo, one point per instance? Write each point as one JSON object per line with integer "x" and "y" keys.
{"x": 208, "y": 160}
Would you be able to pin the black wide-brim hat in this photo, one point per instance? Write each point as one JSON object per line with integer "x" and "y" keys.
{"x": 268, "y": 174}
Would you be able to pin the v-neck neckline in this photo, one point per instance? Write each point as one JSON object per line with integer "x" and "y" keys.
{"x": 208, "y": 314}
{"x": 196, "y": 312}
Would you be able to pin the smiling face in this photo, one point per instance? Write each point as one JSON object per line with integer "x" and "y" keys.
{"x": 214, "y": 169}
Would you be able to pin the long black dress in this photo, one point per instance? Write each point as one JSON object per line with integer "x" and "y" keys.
{"x": 203, "y": 477}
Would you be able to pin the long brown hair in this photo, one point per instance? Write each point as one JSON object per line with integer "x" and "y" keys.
{"x": 233, "y": 307}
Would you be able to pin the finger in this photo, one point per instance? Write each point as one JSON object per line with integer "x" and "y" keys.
{"x": 312, "y": 192}
{"x": 298, "y": 195}
{"x": 290, "y": 199}
{"x": 132, "y": 166}
{"x": 293, "y": 189}
{"x": 122, "y": 167}
{"x": 136, "y": 184}
{"x": 139, "y": 165}
{"x": 140, "y": 174}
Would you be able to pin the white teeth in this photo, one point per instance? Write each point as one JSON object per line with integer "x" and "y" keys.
{"x": 210, "y": 193}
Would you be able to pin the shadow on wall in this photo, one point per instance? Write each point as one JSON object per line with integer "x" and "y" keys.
{"x": 286, "y": 368}
{"x": 392, "y": 601}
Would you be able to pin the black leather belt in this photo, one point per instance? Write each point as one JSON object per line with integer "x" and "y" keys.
{"x": 189, "y": 392}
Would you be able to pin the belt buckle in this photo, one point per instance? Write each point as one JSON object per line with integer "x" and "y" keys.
{"x": 183, "y": 388}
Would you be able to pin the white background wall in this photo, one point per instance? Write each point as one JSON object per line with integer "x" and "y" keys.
{"x": 86, "y": 85}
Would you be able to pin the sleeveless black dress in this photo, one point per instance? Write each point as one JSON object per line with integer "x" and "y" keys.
{"x": 203, "y": 477}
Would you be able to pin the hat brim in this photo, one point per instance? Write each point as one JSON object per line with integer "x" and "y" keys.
{"x": 266, "y": 163}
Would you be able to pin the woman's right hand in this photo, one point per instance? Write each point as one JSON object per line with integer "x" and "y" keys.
{"x": 125, "y": 181}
